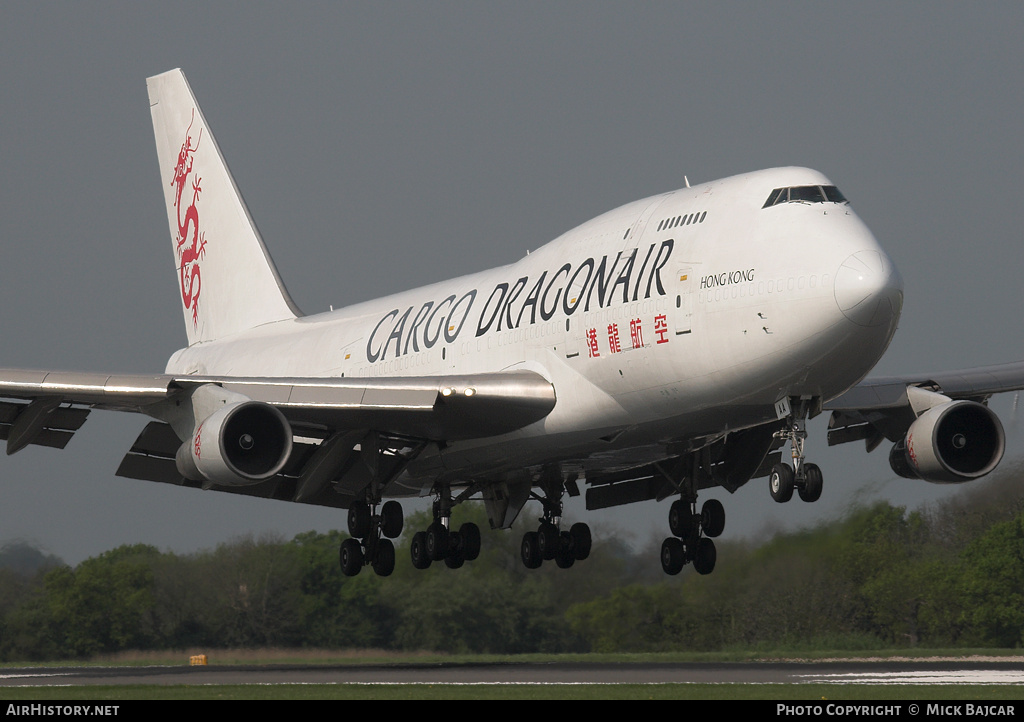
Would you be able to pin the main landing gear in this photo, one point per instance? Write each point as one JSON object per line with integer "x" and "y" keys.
{"x": 440, "y": 543}
{"x": 692, "y": 534}
{"x": 549, "y": 542}
{"x": 370, "y": 538}
{"x": 805, "y": 478}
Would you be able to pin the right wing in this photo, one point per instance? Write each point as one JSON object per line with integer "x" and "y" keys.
{"x": 940, "y": 424}
{"x": 882, "y": 408}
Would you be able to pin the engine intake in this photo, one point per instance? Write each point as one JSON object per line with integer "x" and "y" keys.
{"x": 950, "y": 443}
{"x": 241, "y": 443}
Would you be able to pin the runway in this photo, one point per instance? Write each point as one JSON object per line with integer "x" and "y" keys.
{"x": 859, "y": 672}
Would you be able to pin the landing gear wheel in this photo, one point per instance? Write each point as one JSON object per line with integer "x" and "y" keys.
{"x": 418, "y": 550}
{"x": 704, "y": 556}
{"x": 581, "y": 540}
{"x": 384, "y": 561}
{"x": 454, "y": 560}
{"x": 680, "y": 520}
{"x": 564, "y": 558}
{"x": 470, "y": 533}
{"x": 780, "y": 483}
{"x": 673, "y": 556}
{"x": 437, "y": 541}
{"x": 359, "y": 519}
{"x": 530, "y": 550}
{"x": 547, "y": 537}
{"x": 391, "y": 519}
{"x": 351, "y": 557}
{"x": 712, "y": 518}
{"x": 811, "y": 489}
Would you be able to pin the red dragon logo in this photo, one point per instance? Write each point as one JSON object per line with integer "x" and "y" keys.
{"x": 197, "y": 446}
{"x": 191, "y": 243}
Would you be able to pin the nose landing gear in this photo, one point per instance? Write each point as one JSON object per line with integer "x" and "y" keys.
{"x": 805, "y": 478}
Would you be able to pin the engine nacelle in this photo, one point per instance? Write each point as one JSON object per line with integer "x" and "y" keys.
{"x": 950, "y": 443}
{"x": 241, "y": 443}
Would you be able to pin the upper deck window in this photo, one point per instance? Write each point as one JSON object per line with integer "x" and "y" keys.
{"x": 805, "y": 194}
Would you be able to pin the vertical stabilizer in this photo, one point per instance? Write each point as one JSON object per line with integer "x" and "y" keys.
{"x": 226, "y": 279}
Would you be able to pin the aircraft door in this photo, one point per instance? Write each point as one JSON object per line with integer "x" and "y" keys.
{"x": 572, "y": 337}
{"x": 683, "y": 313}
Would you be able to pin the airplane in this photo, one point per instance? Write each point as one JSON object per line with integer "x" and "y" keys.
{"x": 671, "y": 345}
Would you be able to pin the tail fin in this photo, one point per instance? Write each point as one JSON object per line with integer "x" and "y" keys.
{"x": 227, "y": 280}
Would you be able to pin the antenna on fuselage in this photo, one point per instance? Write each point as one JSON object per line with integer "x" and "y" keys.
{"x": 686, "y": 181}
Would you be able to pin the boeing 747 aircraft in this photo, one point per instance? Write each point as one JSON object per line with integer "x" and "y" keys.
{"x": 674, "y": 344}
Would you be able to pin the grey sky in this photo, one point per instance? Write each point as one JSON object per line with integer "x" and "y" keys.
{"x": 386, "y": 145}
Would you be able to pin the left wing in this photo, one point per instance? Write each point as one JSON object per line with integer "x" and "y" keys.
{"x": 290, "y": 437}
{"x": 941, "y": 426}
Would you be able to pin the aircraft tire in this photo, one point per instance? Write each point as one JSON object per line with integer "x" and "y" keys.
{"x": 811, "y": 489}
{"x": 581, "y": 540}
{"x": 391, "y": 519}
{"x": 454, "y": 560}
{"x": 704, "y": 556}
{"x": 384, "y": 562}
{"x": 680, "y": 520}
{"x": 470, "y": 540}
{"x": 565, "y": 558}
{"x": 351, "y": 557}
{"x": 673, "y": 556}
{"x": 780, "y": 483}
{"x": 359, "y": 519}
{"x": 418, "y": 550}
{"x": 437, "y": 541}
{"x": 712, "y": 518}
{"x": 529, "y": 550}
{"x": 547, "y": 537}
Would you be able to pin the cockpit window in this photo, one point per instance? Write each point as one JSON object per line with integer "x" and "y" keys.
{"x": 805, "y": 194}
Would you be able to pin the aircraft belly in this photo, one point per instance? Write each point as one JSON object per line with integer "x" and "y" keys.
{"x": 500, "y": 459}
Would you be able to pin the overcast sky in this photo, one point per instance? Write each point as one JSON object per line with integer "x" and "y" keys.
{"x": 386, "y": 145}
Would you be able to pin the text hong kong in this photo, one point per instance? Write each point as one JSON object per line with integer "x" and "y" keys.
{"x": 592, "y": 283}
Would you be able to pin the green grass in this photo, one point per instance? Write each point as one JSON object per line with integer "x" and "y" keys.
{"x": 372, "y": 656}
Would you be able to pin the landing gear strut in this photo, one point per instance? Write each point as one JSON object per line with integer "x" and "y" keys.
{"x": 805, "y": 478}
{"x": 370, "y": 538}
{"x": 549, "y": 542}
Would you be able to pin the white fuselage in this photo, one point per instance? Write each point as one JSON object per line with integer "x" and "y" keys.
{"x": 663, "y": 322}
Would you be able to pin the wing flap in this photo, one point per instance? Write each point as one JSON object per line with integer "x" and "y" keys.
{"x": 151, "y": 458}
{"x": 54, "y": 428}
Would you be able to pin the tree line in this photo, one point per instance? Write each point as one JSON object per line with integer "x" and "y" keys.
{"x": 882, "y": 576}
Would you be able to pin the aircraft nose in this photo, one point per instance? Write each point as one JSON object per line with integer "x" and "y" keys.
{"x": 869, "y": 289}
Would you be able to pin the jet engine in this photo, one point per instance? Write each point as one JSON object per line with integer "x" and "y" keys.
{"x": 950, "y": 443}
{"x": 241, "y": 443}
